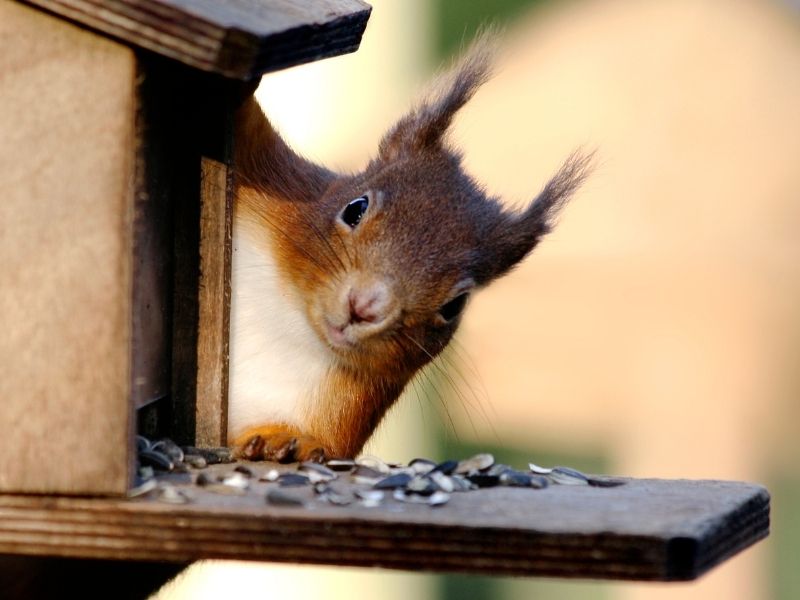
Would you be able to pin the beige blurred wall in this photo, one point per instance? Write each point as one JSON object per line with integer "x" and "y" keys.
{"x": 658, "y": 323}
{"x": 660, "y": 320}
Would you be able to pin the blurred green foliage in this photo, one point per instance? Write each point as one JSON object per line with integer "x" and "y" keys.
{"x": 456, "y": 21}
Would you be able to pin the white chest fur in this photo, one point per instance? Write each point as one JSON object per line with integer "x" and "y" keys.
{"x": 277, "y": 362}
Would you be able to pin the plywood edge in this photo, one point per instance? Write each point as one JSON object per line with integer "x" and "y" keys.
{"x": 238, "y": 39}
{"x": 561, "y": 531}
{"x": 216, "y": 227}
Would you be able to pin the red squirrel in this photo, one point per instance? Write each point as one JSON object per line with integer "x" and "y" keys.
{"x": 345, "y": 286}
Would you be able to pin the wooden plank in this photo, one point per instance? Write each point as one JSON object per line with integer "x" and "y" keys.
{"x": 237, "y": 38}
{"x": 216, "y": 230}
{"x": 67, "y": 101}
{"x": 643, "y": 530}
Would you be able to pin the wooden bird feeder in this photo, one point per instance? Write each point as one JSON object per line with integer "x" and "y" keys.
{"x": 115, "y": 238}
{"x": 115, "y": 224}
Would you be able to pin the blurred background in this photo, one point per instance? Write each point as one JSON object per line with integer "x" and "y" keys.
{"x": 656, "y": 332}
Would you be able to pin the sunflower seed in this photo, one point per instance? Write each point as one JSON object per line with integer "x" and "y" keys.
{"x": 237, "y": 479}
{"x": 512, "y": 478}
{"x": 169, "y": 448}
{"x": 462, "y": 484}
{"x": 479, "y": 462}
{"x": 438, "y": 499}
{"x": 244, "y": 470}
{"x": 442, "y": 481}
{"x": 142, "y": 488}
{"x": 446, "y": 467}
{"x": 370, "y": 498}
{"x": 484, "y": 480}
{"x": 195, "y": 461}
{"x": 374, "y": 463}
{"x": 203, "y": 480}
{"x": 271, "y": 475}
{"x": 539, "y": 470}
{"x": 157, "y": 460}
{"x": 392, "y": 482}
{"x": 604, "y": 481}
{"x": 142, "y": 443}
{"x": 213, "y": 456}
{"x": 341, "y": 464}
{"x": 422, "y": 466}
{"x": 422, "y": 486}
{"x": 367, "y": 475}
{"x": 498, "y": 469}
{"x": 278, "y": 497}
{"x": 316, "y": 472}
{"x": 292, "y": 479}
{"x": 369, "y": 494}
{"x": 233, "y": 484}
{"x": 567, "y": 476}
{"x": 539, "y": 481}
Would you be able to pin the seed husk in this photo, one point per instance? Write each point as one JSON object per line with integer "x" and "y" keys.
{"x": 479, "y": 462}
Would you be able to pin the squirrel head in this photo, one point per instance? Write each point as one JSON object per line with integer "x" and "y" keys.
{"x": 387, "y": 259}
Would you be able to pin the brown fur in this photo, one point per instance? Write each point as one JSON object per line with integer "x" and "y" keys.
{"x": 429, "y": 229}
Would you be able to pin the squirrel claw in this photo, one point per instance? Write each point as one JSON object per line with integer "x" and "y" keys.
{"x": 280, "y": 446}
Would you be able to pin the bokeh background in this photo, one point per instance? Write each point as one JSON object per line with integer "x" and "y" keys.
{"x": 656, "y": 332}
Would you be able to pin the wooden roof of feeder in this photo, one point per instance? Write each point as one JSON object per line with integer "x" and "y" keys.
{"x": 239, "y": 39}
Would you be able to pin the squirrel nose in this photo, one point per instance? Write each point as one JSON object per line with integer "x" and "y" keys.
{"x": 368, "y": 304}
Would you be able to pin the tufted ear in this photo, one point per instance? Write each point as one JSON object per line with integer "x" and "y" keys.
{"x": 514, "y": 235}
{"x": 425, "y": 125}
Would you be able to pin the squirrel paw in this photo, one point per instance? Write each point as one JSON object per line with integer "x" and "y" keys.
{"x": 278, "y": 444}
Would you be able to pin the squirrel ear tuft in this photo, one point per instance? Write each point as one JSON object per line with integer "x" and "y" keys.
{"x": 425, "y": 125}
{"x": 514, "y": 235}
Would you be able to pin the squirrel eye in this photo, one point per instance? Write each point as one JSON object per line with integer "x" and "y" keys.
{"x": 450, "y": 310}
{"x": 354, "y": 211}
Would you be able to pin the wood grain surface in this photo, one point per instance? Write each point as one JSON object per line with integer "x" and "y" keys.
{"x": 216, "y": 230}
{"x": 643, "y": 530}
{"x": 237, "y": 38}
{"x": 67, "y": 100}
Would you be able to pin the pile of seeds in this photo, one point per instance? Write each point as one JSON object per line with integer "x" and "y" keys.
{"x": 367, "y": 481}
